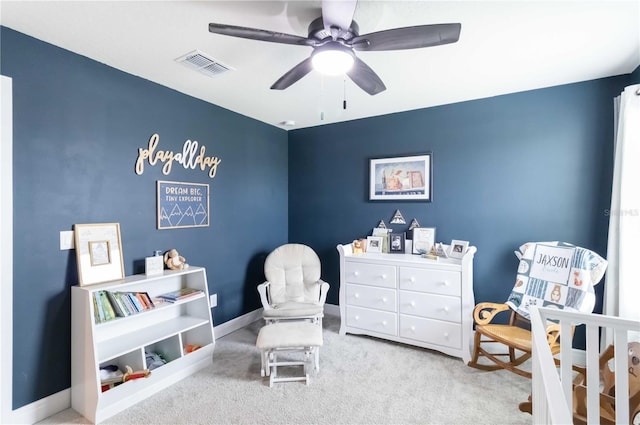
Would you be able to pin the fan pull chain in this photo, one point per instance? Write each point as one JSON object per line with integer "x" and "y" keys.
{"x": 344, "y": 94}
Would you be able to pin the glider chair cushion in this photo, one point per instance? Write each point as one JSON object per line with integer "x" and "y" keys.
{"x": 293, "y": 289}
{"x": 550, "y": 274}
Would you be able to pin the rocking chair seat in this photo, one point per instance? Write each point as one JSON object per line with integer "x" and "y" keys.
{"x": 516, "y": 337}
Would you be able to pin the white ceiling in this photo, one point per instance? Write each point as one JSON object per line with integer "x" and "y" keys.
{"x": 504, "y": 47}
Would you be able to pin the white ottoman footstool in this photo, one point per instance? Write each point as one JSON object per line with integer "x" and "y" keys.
{"x": 304, "y": 337}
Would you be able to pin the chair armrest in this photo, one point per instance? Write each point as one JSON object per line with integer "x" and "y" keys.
{"x": 483, "y": 313}
{"x": 324, "y": 289}
{"x": 262, "y": 290}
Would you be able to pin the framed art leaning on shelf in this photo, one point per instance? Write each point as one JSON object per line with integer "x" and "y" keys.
{"x": 98, "y": 252}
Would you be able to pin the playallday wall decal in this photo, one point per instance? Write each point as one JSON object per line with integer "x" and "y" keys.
{"x": 190, "y": 157}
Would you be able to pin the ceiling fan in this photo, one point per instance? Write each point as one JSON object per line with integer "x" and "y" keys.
{"x": 335, "y": 36}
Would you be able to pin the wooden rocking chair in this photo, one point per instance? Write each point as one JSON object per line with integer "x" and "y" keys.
{"x": 513, "y": 336}
{"x": 536, "y": 285}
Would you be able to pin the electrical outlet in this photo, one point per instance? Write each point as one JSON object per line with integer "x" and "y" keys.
{"x": 66, "y": 240}
{"x": 213, "y": 300}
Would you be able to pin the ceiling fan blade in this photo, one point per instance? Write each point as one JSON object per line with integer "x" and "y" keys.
{"x": 293, "y": 75}
{"x": 365, "y": 78}
{"x": 262, "y": 35}
{"x": 338, "y": 13}
{"x": 408, "y": 37}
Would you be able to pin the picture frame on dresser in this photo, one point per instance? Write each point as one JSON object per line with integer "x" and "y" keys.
{"x": 397, "y": 243}
{"x": 401, "y": 178}
{"x": 458, "y": 248}
{"x": 423, "y": 239}
{"x": 374, "y": 244}
{"x": 99, "y": 252}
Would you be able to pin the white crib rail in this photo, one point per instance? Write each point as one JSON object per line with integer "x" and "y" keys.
{"x": 552, "y": 387}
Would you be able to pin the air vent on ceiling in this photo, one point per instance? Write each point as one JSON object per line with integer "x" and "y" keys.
{"x": 204, "y": 64}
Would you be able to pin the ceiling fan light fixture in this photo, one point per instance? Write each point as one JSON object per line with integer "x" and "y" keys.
{"x": 332, "y": 59}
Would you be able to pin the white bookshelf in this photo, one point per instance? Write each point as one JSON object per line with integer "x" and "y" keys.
{"x": 122, "y": 341}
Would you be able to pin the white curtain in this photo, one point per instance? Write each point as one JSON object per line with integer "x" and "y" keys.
{"x": 622, "y": 285}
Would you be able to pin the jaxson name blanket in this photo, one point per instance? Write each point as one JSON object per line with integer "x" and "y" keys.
{"x": 556, "y": 275}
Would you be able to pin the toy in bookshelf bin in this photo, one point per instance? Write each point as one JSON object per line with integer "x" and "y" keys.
{"x": 110, "y": 376}
{"x": 130, "y": 375}
{"x": 189, "y": 348}
{"x": 154, "y": 360}
{"x": 175, "y": 261}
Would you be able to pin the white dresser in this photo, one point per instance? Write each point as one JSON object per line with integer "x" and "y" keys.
{"x": 408, "y": 299}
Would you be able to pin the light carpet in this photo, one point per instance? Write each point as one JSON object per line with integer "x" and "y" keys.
{"x": 362, "y": 380}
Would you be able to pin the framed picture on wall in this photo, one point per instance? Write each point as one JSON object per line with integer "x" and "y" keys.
{"x": 98, "y": 252}
{"x": 406, "y": 178}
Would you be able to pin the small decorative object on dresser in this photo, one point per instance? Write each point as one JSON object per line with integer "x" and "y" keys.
{"x": 397, "y": 243}
{"x": 423, "y": 239}
{"x": 409, "y": 299}
{"x": 374, "y": 244}
{"x": 458, "y": 248}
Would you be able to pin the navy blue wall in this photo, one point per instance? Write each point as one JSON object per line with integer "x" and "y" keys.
{"x": 528, "y": 166}
{"x": 77, "y": 128}
{"x": 635, "y": 76}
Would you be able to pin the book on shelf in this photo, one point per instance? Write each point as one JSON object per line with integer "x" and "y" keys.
{"x": 119, "y": 308}
{"x": 109, "y": 312}
{"x": 180, "y": 294}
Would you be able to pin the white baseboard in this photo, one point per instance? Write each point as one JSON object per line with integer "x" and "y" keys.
{"x": 42, "y": 409}
{"x": 237, "y": 323}
{"x": 332, "y": 310}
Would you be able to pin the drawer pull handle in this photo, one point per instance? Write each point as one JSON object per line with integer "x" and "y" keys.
{"x": 445, "y": 283}
{"x": 356, "y": 273}
{"x": 357, "y": 317}
{"x": 356, "y": 295}
{"x": 384, "y": 299}
{"x": 412, "y": 279}
{"x": 446, "y": 335}
{"x": 384, "y": 323}
{"x": 413, "y": 328}
{"x": 384, "y": 276}
{"x": 446, "y": 309}
{"x": 412, "y": 303}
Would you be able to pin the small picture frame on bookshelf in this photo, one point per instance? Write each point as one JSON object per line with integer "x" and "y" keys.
{"x": 458, "y": 248}
{"x": 397, "y": 243}
{"x": 98, "y": 252}
{"x": 374, "y": 244}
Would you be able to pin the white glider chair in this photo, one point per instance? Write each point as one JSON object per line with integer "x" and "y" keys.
{"x": 293, "y": 289}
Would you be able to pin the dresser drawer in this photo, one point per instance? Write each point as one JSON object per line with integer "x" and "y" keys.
{"x": 441, "y": 307}
{"x": 370, "y": 274}
{"x": 371, "y": 297}
{"x": 372, "y": 320}
{"x": 433, "y": 281}
{"x": 431, "y": 331}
